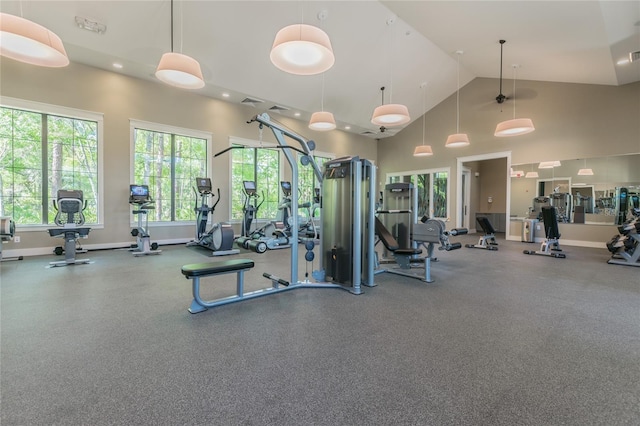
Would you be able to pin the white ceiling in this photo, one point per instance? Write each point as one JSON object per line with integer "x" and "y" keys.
{"x": 561, "y": 41}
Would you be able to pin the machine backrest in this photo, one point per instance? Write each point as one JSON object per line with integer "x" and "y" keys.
{"x": 550, "y": 222}
{"x": 486, "y": 226}
{"x": 385, "y": 236}
{"x": 69, "y": 205}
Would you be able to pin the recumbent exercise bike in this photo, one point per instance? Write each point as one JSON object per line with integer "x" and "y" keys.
{"x": 69, "y": 206}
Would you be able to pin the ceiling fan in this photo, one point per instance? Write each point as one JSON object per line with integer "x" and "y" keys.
{"x": 501, "y": 98}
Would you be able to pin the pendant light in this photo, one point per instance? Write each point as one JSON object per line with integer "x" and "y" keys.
{"x": 515, "y": 126}
{"x": 322, "y": 120}
{"x": 549, "y": 164}
{"x": 302, "y": 49}
{"x": 391, "y": 114}
{"x": 31, "y": 43}
{"x": 585, "y": 171}
{"x": 423, "y": 150}
{"x": 458, "y": 139}
{"x": 179, "y": 70}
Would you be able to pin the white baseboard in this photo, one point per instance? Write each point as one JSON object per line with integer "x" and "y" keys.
{"x": 563, "y": 242}
{"x": 42, "y": 251}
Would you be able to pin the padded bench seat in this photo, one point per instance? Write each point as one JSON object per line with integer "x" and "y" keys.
{"x": 213, "y": 268}
{"x": 196, "y": 270}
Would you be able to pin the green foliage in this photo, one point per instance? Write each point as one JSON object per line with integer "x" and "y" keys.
{"x": 262, "y": 166}
{"x": 153, "y": 164}
{"x": 429, "y": 197}
{"x": 72, "y": 163}
{"x": 307, "y": 180}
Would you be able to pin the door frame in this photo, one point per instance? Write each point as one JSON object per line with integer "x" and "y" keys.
{"x": 466, "y": 221}
{"x": 491, "y": 156}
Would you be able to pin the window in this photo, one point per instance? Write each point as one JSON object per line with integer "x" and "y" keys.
{"x": 169, "y": 160}
{"x": 258, "y": 164}
{"x": 432, "y": 189}
{"x": 307, "y": 180}
{"x": 44, "y": 148}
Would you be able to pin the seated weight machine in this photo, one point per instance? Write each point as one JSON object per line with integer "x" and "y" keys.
{"x": 428, "y": 233}
{"x": 142, "y": 202}
{"x": 69, "y": 206}
{"x": 488, "y": 240}
{"x": 219, "y": 238}
{"x": 551, "y": 245}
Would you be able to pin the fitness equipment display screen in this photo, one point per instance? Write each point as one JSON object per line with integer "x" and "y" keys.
{"x": 204, "y": 185}
{"x": 286, "y": 187}
{"x": 249, "y": 186}
{"x": 138, "y": 193}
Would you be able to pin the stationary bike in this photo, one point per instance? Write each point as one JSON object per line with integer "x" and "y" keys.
{"x": 218, "y": 239}
{"x": 142, "y": 202}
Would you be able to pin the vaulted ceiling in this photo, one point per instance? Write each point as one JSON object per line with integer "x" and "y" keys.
{"x": 397, "y": 44}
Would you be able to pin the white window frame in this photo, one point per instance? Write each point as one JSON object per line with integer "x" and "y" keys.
{"x": 251, "y": 143}
{"x": 165, "y": 128}
{"x": 430, "y": 172}
{"x": 66, "y": 112}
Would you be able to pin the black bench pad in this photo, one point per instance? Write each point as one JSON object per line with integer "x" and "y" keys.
{"x": 408, "y": 251}
{"x": 212, "y": 268}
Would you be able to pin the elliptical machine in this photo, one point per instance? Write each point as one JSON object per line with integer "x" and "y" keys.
{"x": 141, "y": 200}
{"x": 219, "y": 239}
{"x": 272, "y": 235}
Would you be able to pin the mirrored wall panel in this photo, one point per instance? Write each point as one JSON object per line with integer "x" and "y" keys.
{"x": 587, "y": 191}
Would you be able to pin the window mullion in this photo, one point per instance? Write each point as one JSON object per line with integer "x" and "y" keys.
{"x": 44, "y": 137}
{"x": 173, "y": 177}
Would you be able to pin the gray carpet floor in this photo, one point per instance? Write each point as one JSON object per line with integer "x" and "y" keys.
{"x": 500, "y": 338}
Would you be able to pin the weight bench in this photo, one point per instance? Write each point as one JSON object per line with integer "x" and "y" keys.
{"x": 551, "y": 245}
{"x": 488, "y": 240}
{"x": 195, "y": 271}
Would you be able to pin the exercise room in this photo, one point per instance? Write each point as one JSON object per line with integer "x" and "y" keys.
{"x": 319, "y": 212}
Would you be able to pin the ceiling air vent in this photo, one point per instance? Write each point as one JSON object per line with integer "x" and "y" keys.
{"x": 278, "y": 108}
{"x": 251, "y": 101}
{"x": 368, "y": 133}
{"x": 634, "y": 56}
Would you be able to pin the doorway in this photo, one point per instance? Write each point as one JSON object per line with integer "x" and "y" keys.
{"x": 492, "y": 197}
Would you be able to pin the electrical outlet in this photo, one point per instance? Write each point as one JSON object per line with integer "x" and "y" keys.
{"x": 16, "y": 239}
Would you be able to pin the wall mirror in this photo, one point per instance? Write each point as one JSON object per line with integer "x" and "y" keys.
{"x": 607, "y": 196}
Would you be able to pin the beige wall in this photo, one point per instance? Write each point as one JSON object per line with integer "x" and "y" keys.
{"x": 121, "y": 98}
{"x": 572, "y": 121}
{"x": 493, "y": 184}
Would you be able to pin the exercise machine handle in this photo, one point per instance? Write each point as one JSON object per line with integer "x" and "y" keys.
{"x": 459, "y": 231}
{"x": 276, "y": 279}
